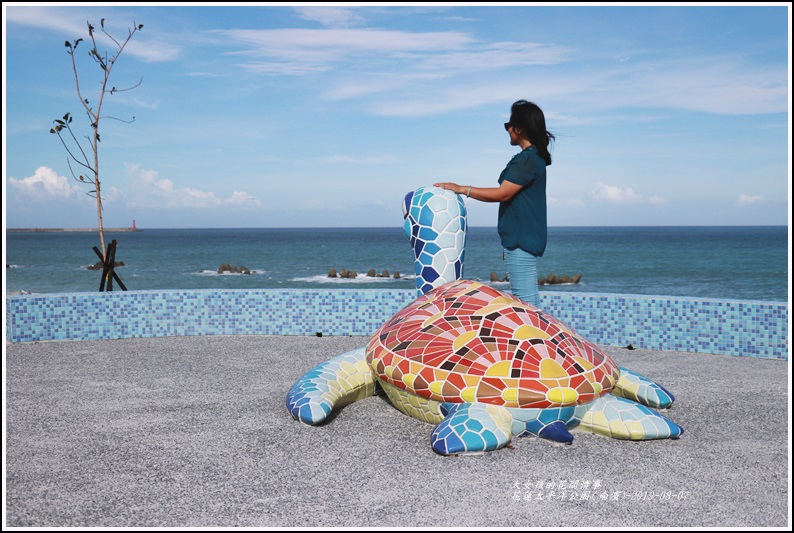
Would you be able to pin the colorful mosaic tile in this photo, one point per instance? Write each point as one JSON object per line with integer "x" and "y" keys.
{"x": 480, "y": 364}
{"x": 729, "y": 327}
{"x": 484, "y": 367}
{"x": 435, "y": 225}
{"x": 471, "y": 342}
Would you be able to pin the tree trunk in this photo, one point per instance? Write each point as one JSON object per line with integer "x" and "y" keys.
{"x": 99, "y": 195}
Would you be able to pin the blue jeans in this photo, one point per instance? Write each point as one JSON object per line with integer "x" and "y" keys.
{"x": 522, "y": 268}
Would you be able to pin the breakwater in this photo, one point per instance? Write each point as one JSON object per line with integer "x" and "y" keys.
{"x": 69, "y": 230}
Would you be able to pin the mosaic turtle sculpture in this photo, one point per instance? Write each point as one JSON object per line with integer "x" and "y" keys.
{"x": 478, "y": 363}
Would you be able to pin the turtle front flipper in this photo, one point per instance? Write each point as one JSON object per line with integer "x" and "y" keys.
{"x": 620, "y": 418}
{"x": 471, "y": 428}
{"x": 340, "y": 381}
{"x": 633, "y": 386}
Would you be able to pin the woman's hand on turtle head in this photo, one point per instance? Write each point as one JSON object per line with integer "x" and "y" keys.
{"x": 454, "y": 187}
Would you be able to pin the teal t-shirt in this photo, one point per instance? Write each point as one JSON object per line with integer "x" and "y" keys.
{"x": 522, "y": 219}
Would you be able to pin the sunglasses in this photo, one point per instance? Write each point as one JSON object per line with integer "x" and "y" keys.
{"x": 508, "y": 126}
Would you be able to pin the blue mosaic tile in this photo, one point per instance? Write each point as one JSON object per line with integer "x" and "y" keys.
{"x": 744, "y": 328}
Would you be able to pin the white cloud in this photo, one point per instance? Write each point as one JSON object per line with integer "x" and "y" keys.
{"x": 497, "y": 56}
{"x": 242, "y": 199}
{"x": 304, "y": 51}
{"x": 143, "y": 104}
{"x": 344, "y": 159}
{"x": 424, "y": 95}
{"x": 152, "y": 50}
{"x": 71, "y": 24}
{"x": 48, "y": 18}
{"x": 444, "y": 100}
{"x": 46, "y": 184}
{"x": 746, "y": 199}
{"x": 338, "y": 44}
{"x": 622, "y": 195}
{"x": 392, "y": 66}
{"x": 722, "y": 84}
{"x": 400, "y": 73}
{"x": 112, "y": 195}
{"x": 614, "y": 194}
{"x": 332, "y": 17}
{"x": 151, "y": 191}
{"x": 283, "y": 68}
{"x": 355, "y": 87}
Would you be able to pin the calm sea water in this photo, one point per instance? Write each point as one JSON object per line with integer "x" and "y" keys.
{"x": 744, "y": 263}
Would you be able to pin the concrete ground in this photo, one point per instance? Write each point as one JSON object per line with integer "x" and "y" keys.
{"x": 194, "y": 432}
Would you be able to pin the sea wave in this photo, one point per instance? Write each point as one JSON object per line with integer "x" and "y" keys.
{"x": 17, "y": 292}
{"x": 363, "y": 278}
{"x": 360, "y": 278}
{"x": 226, "y": 273}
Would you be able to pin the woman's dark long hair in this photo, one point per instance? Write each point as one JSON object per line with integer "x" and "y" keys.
{"x": 530, "y": 117}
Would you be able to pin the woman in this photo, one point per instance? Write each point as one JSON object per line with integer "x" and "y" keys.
{"x": 522, "y": 198}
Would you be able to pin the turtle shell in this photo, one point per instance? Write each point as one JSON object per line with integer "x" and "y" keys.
{"x": 468, "y": 342}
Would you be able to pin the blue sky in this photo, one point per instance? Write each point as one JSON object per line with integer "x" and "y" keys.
{"x": 298, "y": 116}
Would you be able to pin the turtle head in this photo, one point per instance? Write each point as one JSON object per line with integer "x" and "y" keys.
{"x": 435, "y": 225}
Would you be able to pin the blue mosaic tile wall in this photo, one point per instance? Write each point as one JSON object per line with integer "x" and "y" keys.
{"x": 745, "y": 328}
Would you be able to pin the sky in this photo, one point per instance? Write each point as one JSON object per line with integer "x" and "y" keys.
{"x": 326, "y": 116}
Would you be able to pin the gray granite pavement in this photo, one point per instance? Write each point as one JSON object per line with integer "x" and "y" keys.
{"x": 193, "y": 432}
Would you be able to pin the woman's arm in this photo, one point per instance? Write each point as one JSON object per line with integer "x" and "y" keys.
{"x": 503, "y": 193}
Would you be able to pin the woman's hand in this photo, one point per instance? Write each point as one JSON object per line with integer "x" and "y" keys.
{"x": 449, "y": 186}
{"x": 503, "y": 193}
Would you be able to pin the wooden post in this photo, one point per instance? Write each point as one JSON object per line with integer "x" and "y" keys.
{"x": 108, "y": 268}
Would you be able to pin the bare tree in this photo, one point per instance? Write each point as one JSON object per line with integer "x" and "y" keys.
{"x": 89, "y": 159}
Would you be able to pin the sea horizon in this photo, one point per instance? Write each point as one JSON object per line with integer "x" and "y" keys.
{"x": 116, "y": 227}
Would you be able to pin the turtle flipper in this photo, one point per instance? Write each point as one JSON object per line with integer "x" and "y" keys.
{"x": 549, "y": 424}
{"x": 471, "y": 428}
{"x": 633, "y": 386}
{"x": 620, "y": 418}
{"x": 339, "y": 381}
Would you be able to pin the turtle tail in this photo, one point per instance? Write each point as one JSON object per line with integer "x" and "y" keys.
{"x": 339, "y": 381}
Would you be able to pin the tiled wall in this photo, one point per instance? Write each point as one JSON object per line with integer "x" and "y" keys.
{"x": 746, "y": 328}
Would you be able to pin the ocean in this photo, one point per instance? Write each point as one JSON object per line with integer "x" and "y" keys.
{"x": 737, "y": 263}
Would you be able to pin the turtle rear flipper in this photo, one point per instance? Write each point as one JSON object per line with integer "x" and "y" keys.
{"x": 339, "y": 381}
{"x": 471, "y": 428}
{"x": 640, "y": 389}
{"x": 620, "y": 418}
